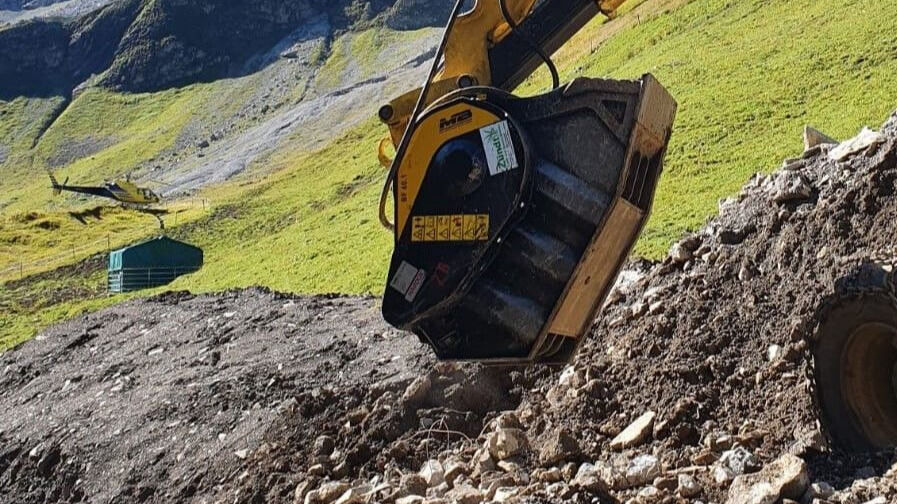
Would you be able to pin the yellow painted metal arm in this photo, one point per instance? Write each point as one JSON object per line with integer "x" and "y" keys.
{"x": 467, "y": 55}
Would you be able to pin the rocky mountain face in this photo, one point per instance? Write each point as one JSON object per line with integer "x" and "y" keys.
{"x": 16, "y": 11}
{"x": 147, "y": 45}
{"x": 21, "y": 4}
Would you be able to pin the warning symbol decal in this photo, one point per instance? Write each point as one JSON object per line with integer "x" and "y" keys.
{"x": 443, "y": 228}
{"x": 430, "y": 233}
{"x": 470, "y": 227}
{"x": 482, "y": 229}
{"x": 457, "y": 232}
{"x": 450, "y": 228}
{"x": 418, "y": 228}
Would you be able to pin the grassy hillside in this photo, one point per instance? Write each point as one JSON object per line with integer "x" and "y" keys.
{"x": 747, "y": 75}
{"x": 310, "y": 227}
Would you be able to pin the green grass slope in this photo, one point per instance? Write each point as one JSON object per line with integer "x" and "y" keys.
{"x": 748, "y": 76}
{"x": 310, "y": 227}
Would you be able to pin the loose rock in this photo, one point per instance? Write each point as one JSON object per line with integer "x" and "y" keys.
{"x": 785, "y": 478}
{"x": 506, "y": 443}
{"x": 642, "y": 470}
{"x": 414, "y": 484}
{"x": 591, "y": 478}
{"x": 687, "y": 486}
{"x": 813, "y": 138}
{"x": 637, "y": 432}
{"x": 739, "y": 461}
{"x": 433, "y": 473}
{"x": 561, "y": 446}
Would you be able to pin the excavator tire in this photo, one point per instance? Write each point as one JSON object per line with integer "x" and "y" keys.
{"x": 855, "y": 358}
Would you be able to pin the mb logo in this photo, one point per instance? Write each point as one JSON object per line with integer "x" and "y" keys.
{"x": 455, "y": 120}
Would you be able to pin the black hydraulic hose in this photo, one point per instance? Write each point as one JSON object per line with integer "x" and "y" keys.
{"x": 412, "y": 119}
{"x": 555, "y": 78}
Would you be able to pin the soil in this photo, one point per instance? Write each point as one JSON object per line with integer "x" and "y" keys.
{"x": 150, "y": 400}
{"x": 254, "y": 396}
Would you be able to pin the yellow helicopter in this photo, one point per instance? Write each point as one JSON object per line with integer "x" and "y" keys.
{"x": 123, "y": 191}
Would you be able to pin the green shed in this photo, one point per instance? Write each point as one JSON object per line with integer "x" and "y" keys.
{"x": 151, "y": 263}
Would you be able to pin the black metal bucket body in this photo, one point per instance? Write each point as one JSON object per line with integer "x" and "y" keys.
{"x": 553, "y": 224}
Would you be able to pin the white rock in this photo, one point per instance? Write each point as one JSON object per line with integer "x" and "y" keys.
{"x": 680, "y": 254}
{"x": 438, "y": 491}
{"x": 721, "y": 443}
{"x": 566, "y": 376}
{"x": 688, "y": 486}
{"x": 865, "y": 139}
{"x": 510, "y": 466}
{"x": 786, "y": 478}
{"x": 454, "y": 469}
{"x": 746, "y": 273}
{"x": 590, "y": 477}
{"x": 877, "y": 500}
{"x": 556, "y": 489}
{"x": 354, "y": 495}
{"x": 813, "y": 138}
{"x": 819, "y": 490}
{"x": 791, "y": 186}
{"x": 650, "y": 493}
{"x": 722, "y": 475}
{"x": 433, "y": 473}
{"x": 774, "y": 353}
{"x": 637, "y": 432}
{"x": 327, "y": 493}
{"x": 550, "y": 475}
{"x": 642, "y": 470}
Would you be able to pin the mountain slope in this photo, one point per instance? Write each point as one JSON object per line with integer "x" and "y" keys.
{"x": 150, "y": 45}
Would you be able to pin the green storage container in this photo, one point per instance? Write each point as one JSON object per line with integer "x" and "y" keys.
{"x": 152, "y": 263}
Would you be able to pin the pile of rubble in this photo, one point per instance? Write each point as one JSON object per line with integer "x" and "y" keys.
{"x": 696, "y": 384}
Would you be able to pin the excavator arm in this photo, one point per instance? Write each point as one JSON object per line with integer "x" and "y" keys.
{"x": 483, "y": 49}
{"x": 513, "y": 216}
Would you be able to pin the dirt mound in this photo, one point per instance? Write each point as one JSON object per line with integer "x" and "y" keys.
{"x": 697, "y": 382}
{"x": 153, "y": 401}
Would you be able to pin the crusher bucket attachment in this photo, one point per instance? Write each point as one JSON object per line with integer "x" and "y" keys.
{"x": 515, "y": 215}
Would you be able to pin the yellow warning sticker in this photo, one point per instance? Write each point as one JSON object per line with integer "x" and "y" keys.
{"x": 430, "y": 233}
{"x": 470, "y": 227}
{"x": 418, "y": 228}
{"x": 443, "y": 227}
{"x": 457, "y": 231}
{"x": 482, "y": 233}
{"x": 450, "y": 228}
